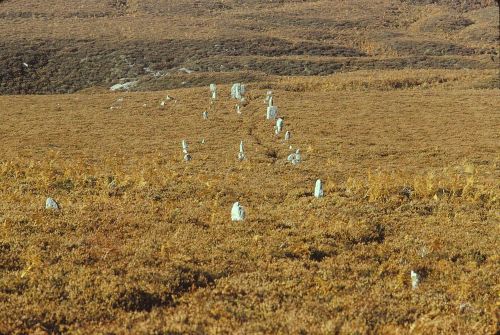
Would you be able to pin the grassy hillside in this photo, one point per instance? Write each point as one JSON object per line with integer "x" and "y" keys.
{"x": 144, "y": 244}
{"x": 71, "y": 46}
{"x": 393, "y": 104}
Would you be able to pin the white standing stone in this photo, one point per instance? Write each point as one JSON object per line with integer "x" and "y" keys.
{"x": 213, "y": 91}
{"x": 279, "y": 125}
{"x": 205, "y": 115}
{"x": 241, "y": 153}
{"x": 237, "y": 91}
{"x": 202, "y": 141}
{"x": 184, "y": 146}
{"x": 415, "y": 279}
{"x": 318, "y": 189}
{"x": 295, "y": 158}
{"x": 51, "y": 204}
{"x": 271, "y": 112}
{"x": 287, "y": 135}
{"x": 238, "y": 109}
{"x": 269, "y": 95}
{"x": 237, "y": 212}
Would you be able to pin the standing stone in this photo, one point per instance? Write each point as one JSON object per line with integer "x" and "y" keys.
{"x": 213, "y": 91}
{"x": 237, "y": 91}
{"x": 51, "y": 204}
{"x": 295, "y": 158}
{"x": 298, "y": 156}
{"x": 272, "y": 111}
{"x": 318, "y": 189}
{"x": 415, "y": 279}
{"x": 237, "y": 212}
{"x": 269, "y": 95}
{"x": 241, "y": 154}
{"x": 238, "y": 109}
{"x": 205, "y": 115}
{"x": 279, "y": 125}
{"x": 270, "y": 102}
{"x": 184, "y": 146}
{"x": 287, "y": 135}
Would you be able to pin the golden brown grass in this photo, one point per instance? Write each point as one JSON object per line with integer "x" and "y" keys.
{"x": 143, "y": 242}
{"x": 70, "y": 47}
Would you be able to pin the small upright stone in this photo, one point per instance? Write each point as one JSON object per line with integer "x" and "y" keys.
{"x": 279, "y": 125}
{"x": 164, "y": 101}
{"x": 213, "y": 91}
{"x": 238, "y": 109}
{"x": 184, "y": 146}
{"x": 269, "y": 99}
{"x": 269, "y": 95}
{"x": 241, "y": 153}
{"x": 237, "y": 91}
{"x": 287, "y": 135}
{"x": 271, "y": 113}
{"x": 237, "y": 212}
{"x": 298, "y": 156}
{"x": 415, "y": 279}
{"x": 205, "y": 115}
{"x": 318, "y": 189}
{"x": 295, "y": 158}
{"x": 51, "y": 204}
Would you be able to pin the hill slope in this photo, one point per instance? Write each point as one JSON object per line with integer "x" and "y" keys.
{"x": 144, "y": 242}
{"x": 75, "y": 45}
